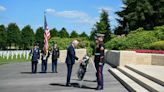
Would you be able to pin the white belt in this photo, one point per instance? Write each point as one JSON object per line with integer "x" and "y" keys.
{"x": 97, "y": 54}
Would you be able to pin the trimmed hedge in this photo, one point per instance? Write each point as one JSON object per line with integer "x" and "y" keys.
{"x": 63, "y": 43}
{"x": 138, "y": 39}
{"x": 159, "y": 45}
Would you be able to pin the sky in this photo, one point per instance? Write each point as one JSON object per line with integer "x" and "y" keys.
{"x": 78, "y": 15}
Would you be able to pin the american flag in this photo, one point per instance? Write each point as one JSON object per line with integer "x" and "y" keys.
{"x": 46, "y": 34}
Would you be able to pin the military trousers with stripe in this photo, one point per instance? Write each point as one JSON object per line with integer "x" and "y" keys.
{"x": 99, "y": 74}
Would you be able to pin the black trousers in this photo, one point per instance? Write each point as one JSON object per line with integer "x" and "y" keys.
{"x": 54, "y": 65}
{"x": 34, "y": 66}
{"x": 69, "y": 71}
{"x": 44, "y": 66}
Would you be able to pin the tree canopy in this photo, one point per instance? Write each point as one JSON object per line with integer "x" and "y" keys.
{"x": 3, "y": 37}
{"x": 141, "y": 13}
{"x": 74, "y": 34}
{"x": 27, "y": 37}
{"x": 83, "y": 34}
{"x": 13, "y": 35}
{"x": 63, "y": 33}
{"x": 54, "y": 32}
{"x": 102, "y": 26}
{"x": 39, "y": 37}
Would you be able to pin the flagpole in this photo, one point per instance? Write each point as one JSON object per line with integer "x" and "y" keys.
{"x": 45, "y": 49}
{"x": 44, "y": 19}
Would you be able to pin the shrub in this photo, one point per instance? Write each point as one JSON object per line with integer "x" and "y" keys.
{"x": 63, "y": 43}
{"x": 159, "y": 45}
{"x": 115, "y": 44}
{"x": 159, "y": 28}
{"x": 159, "y": 35}
{"x": 140, "y": 40}
{"x": 137, "y": 39}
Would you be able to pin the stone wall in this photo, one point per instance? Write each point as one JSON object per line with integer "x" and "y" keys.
{"x": 113, "y": 57}
{"x": 157, "y": 59}
{"x": 121, "y": 58}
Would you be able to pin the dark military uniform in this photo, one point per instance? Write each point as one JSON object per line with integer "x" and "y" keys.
{"x": 44, "y": 61}
{"x": 55, "y": 56}
{"x": 34, "y": 60}
{"x": 99, "y": 63}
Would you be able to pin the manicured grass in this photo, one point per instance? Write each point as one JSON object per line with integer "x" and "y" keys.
{"x": 11, "y": 60}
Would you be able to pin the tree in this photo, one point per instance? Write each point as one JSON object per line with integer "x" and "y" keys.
{"x": 74, "y": 34}
{"x": 119, "y": 30}
{"x": 158, "y": 16}
{"x": 39, "y": 37}
{"x": 63, "y": 33}
{"x": 92, "y": 34}
{"x": 102, "y": 26}
{"x": 54, "y": 32}
{"x": 83, "y": 34}
{"x": 13, "y": 35}
{"x": 141, "y": 13}
{"x": 3, "y": 37}
{"x": 27, "y": 37}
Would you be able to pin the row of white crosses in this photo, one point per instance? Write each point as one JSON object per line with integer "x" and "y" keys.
{"x": 16, "y": 53}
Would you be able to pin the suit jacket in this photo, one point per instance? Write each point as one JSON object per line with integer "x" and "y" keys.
{"x": 71, "y": 55}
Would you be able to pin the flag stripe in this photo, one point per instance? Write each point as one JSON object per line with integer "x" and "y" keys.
{"x": 46, "y": 34}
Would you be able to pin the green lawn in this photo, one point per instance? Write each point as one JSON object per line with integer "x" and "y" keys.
{"x": 10, "y": 60}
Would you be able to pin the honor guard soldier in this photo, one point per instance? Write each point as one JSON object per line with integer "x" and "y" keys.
{"x": 99, "y": 60}
{"x": 45, "y": 56}
{"x": 55, "y": 56}
{"x": 35, "y": 56}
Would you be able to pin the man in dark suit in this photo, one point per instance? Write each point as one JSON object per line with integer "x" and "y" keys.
{"x": 70, "y": 60}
